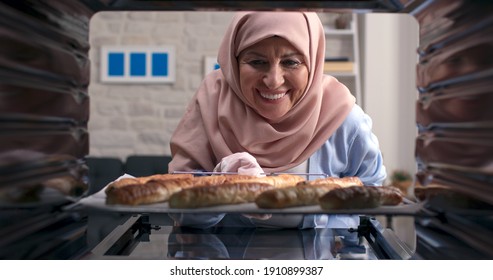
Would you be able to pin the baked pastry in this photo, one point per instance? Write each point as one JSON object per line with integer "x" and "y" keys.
{"x": 122, "y": 182}
{"x": 142, "y": 180}
{"x": 151, "y": 191}
{"x": 356, "y": 197}
{"x": 304, "y": 193}
{"x": 342, "y": 182}
{"x": 165, "y": 176}
{"x": 278, "y": 181}
{"x": 300, "y": 195}
{"x": 284, "y": 180}
{"x": 228, "y": 193}
{"x": 220, "y": 179}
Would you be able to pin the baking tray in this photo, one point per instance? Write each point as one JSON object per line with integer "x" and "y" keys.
{"x": 97, "y": 202}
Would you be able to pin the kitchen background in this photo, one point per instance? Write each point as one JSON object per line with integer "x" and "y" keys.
{"x": 138, "y": 118}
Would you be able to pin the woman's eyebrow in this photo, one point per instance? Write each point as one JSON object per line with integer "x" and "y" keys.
{"x": 292, "y": 54}
{"x": 250, "y": 52}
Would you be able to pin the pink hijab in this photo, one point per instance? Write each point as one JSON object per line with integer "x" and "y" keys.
{"x": 219, "y": 121}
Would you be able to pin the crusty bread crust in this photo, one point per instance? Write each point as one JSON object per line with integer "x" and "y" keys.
{"x": 220, "y": 179}
{"x": 228, "y": 193}
{"x": 304, "y": 193}
{"x": 142, "y": 180}
{"x": 152, "y": 191}
{"x": 356, "y": 197}
{"x": 278, "y": 181}
{"x": 343, "y": 182}
{"x": 136, "y": 194}
{"x": 300, "y": 195}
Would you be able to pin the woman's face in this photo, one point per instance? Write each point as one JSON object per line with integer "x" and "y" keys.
{"x": 273, "y": 76}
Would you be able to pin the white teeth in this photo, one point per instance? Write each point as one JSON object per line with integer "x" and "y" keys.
{"x": 272, "y": 96}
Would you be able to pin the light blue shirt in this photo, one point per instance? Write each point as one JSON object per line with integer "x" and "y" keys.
{"x": 352, "y": 150}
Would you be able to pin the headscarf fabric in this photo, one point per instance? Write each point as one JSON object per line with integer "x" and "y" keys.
{"x": 219, "y": 121}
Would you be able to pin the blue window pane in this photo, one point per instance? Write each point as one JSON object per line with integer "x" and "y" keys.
{"x": 137, "y": 64}
{"x": 116, "y": 64}
{"x": 160, "y": 64}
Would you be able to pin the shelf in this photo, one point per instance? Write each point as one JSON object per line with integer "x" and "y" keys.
{"x": 339, "y": 66}
{"x": 345, "y": 44}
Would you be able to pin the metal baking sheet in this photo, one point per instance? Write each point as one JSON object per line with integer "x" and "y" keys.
{"x": 97, "y": 202}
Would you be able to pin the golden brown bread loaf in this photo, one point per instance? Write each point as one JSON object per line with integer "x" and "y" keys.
{"x": 142, "y": 180}
{"x": 174, "y": 182}
{"x": 356, "y": 197}
{"x": 284, "y": 180}
{"x": 300, "y": 195}
{"x": 228, "y": 193}
{"x": 152, "y": 191}
{"x": 166, "y": 176}
{"x": 278, "y": 181}
{"x": 342, "y": 182}
{"x": 220, "y": 179}
{"x": 122, "y": 182}
{"x": 146, "y": 190}
{"x": 304, "y": 193}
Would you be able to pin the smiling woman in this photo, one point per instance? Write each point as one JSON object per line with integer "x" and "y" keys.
{"x": 271, "y": 100}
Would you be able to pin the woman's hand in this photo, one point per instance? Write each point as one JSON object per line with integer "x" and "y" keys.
{"x": 243, "y": 163}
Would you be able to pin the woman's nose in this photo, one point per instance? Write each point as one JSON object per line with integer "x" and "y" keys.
{"x": 274, "y": 77}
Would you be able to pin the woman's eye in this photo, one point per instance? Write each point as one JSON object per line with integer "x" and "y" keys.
{"x": 257, "y": 62}
{"x": 291, "y": 63}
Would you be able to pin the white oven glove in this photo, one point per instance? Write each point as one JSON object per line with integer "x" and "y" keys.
{"x": 243, "y": 163}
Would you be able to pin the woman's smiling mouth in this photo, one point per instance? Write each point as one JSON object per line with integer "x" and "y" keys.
{"x": 272, "y": 96}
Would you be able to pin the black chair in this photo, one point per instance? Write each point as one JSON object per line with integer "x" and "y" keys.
{"x": 103, "y": 170}
{"x": 139, "y": 165}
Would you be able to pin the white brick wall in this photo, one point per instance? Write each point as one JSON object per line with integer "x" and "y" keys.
{"x": 140, "y": 118}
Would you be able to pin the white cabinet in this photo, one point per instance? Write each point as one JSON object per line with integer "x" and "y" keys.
{"x": 342, "y": 44}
